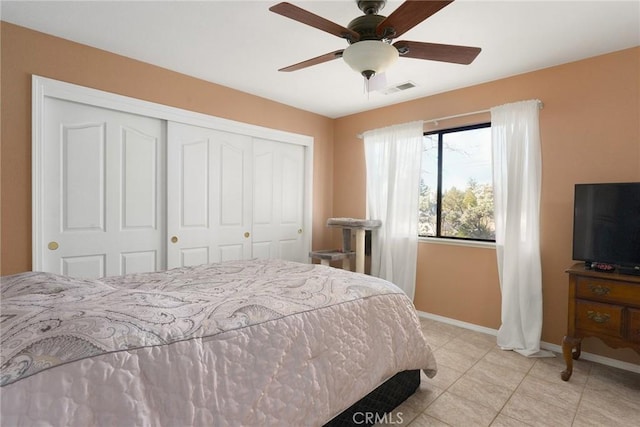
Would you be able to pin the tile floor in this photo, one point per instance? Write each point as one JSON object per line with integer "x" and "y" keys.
{"x": 480, "y": 385}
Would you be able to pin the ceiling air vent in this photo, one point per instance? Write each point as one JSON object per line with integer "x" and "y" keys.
{"x": 398, "y": 88}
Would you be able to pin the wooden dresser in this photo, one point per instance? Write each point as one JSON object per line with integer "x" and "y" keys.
{"x": 602, "y": 305}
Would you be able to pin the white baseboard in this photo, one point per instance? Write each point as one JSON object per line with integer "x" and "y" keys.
{"x": 632, "y": 367}
{"x": 459, "y": 323}
{"x": 615, "y": 363}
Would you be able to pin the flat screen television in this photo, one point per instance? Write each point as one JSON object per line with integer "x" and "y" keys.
{"x": 606, "y": 225}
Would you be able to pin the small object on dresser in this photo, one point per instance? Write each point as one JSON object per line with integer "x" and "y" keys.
{"x": 605, "y": 268}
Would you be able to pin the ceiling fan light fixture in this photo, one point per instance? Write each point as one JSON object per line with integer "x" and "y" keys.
{"x": 369, "y": 57}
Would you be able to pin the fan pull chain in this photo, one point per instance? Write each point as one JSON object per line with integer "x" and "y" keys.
{"x": 366, "y": 87}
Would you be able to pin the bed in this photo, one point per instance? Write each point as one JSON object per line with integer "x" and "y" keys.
{"x": 260, "y": 342}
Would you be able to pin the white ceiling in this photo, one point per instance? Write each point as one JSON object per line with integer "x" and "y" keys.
{"x": 240, "y": 44}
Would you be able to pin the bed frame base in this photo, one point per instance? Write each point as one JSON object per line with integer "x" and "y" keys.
{"x": 371, "y": 408}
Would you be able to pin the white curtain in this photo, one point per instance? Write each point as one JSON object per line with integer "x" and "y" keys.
{"x": 517, "y": 173}
{"x": 393, "y": 156}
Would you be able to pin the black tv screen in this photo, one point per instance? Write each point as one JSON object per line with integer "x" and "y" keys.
{"x": 606, "y": 223}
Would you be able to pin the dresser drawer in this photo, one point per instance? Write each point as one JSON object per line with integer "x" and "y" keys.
{"x": 634, "y": 325}
{"x": 600, "y": 318}
{"x": 608, "y": 290}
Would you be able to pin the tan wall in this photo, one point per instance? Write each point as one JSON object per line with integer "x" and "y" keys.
{"x": 25, "y": 52}
{"x": 590, "y": 132}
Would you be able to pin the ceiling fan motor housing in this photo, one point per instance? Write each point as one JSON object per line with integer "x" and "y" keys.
{"x": 366, "y": 25}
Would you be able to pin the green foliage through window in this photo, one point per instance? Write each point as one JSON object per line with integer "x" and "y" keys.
{"x": 456, "y": 191}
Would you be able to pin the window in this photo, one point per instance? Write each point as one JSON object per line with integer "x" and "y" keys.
{"x": 456, "y": 191}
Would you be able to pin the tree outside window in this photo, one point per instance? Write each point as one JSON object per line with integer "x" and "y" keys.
{"x": 456, "y": 191}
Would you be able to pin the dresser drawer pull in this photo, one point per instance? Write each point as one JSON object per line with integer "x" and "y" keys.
{"x": 598, "y": 317}
{"x": 599, "y": 290}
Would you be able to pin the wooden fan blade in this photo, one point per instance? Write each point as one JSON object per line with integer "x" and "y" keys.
{"x": 408, "y": 15}
{"x": 314, "y": 61}
{"x": 297, "y": 14}
{"x": 437, "y": 52}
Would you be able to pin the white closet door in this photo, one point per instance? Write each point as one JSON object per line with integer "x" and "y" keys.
{"x": 103, "y": 191}
{"x": 209, "y": 195}
{"x": 278, "y": 202}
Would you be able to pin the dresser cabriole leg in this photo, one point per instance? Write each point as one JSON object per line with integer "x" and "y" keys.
{"x": 576, "y": 352}
{"x": 568, "y": 344}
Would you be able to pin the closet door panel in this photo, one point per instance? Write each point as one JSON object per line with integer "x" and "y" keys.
{"x": 102, "y": 185}
{"x": 88, "y": 266}
{"x": 232, "y": 184}
{"x": 189, "y": 202}
{"x": 140, "y": 202}
{"x": 292, "y": 201}
{"x": 83, "y": 176}
{"x": 231, "y": 252}
{"x": 192, "y": 256}
{"x": 262, "y": 250}
{"x": 135, "y": 262}
{"x": 233, "y": 194}
{"x": 194, "y": 184}
{"x": 208, "y": 194}
{"x": 278, "y": 208}
{"x": 263, "y": 164}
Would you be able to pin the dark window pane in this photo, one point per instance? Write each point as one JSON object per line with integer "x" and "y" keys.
{"x": 465, "y": 184}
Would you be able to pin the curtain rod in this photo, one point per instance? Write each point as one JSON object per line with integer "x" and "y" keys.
{"x": 455, "y": 116}
{"x": 472, "y": 113}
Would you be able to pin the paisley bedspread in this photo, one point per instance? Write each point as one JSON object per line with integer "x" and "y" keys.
{"x": 262, "y": 342}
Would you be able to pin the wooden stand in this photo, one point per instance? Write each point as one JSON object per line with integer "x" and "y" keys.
{"x": 602, "y": 305}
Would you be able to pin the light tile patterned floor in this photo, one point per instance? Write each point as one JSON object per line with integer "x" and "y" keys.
{"x": 480, "y": 385}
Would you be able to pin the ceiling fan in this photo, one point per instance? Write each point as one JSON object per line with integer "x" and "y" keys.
{"x": 370, "y": 36}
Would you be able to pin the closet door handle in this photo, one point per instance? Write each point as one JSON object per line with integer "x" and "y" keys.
{"x": 174, "y": 239}
{"x": 53, "y": 246}
{"x": 246, "y": 234}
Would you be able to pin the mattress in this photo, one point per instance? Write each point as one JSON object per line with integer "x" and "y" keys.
{"x": 260, "y": 342}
